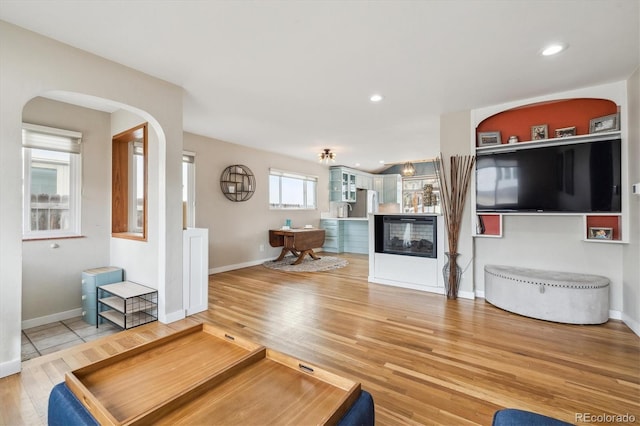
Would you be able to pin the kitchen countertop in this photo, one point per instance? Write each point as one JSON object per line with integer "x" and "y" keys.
{"x": 346, "y": 218}
{"x": 407, "y": 214}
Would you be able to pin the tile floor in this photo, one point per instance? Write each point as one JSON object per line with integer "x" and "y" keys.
{"x": 53, "y": 337}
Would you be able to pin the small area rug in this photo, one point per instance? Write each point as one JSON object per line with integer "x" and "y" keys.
{"x": 325, "y": 263}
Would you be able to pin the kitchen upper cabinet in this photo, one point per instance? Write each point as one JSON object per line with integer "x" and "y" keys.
{"x": 335, "y": 184}
{"x": 364, "y": 180}
{"x": 378, "y": 186}
{"x": 389, "y": 188}
{"x": 342, "y": 184}
{"x": 348, "y": 186}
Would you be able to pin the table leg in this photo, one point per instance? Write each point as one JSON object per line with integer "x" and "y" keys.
{"x": 303, "y": 254}
{"x": 284, "y": 252}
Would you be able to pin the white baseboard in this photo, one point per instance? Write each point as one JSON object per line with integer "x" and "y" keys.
{"x": 10, "y": 367}
{"x": 480, "y": 294}
{"x": 615, "y": 314}
{"x": 238, "y": 266}
{"x": 48, "y": 319}
{"x": 631, "y": 323}
{"x": 466, "y": 295}
{"x": 172, "y": 317}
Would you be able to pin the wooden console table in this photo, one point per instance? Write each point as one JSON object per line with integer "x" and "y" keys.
{"x": 299, "y": 242}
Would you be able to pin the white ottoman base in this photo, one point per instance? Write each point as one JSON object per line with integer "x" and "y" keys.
{"x": 548, "y": 295}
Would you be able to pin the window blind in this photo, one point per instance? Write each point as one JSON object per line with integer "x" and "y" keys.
{"x": 276, "y": 172}
{"x": 49, "y": 138}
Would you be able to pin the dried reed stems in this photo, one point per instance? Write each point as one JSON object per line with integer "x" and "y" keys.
{"x": 453, "y": 194}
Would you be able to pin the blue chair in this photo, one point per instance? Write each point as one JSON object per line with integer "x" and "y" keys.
{"x": 514, "y": 417}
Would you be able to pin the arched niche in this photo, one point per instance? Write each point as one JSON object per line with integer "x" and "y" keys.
{"x": 557, "y": 114}
{"x": 141, "y": 261}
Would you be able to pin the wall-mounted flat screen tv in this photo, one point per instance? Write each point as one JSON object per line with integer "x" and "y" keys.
{"x": 573, "y": 178}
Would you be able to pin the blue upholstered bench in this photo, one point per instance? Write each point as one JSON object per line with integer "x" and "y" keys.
{"x": 514, "y": 417}
{"x": 65, "y": 410}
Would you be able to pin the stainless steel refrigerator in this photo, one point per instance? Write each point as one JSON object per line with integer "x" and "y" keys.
{"x": 366, "y": 202}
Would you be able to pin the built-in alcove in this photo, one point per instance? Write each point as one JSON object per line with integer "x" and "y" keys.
{"x": 555, "y": 115}
{"x": 578, "y": 114}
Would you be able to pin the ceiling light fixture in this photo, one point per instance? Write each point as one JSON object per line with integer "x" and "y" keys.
{"x": 553, "y": 49}
{"x": 408, "y": 169}
{"x": 326, "y": 156}
{"x": 376, "y": 97}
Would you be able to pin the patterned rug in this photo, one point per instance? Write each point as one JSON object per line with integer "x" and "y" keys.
{"x": 325, "y": 263}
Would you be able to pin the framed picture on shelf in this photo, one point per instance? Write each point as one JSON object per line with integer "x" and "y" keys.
{"x": 600, "y": 233}
{"x": 608, "y": 123}
{"x": 566, "y": 131}
{"x": 539, "y": 132}
{"x": 489, "y": 138}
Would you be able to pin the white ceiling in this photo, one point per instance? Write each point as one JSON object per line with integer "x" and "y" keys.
{"x": 295, "y": 76}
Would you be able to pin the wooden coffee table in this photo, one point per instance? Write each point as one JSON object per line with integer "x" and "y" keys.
{"x": 299, "y": 242}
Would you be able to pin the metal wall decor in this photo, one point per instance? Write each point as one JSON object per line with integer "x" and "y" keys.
{"x": 237, "y": 183}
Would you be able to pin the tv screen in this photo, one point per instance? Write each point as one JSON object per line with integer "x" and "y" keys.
{"x": 574, "y": 178}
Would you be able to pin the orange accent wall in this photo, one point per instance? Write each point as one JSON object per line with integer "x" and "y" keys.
{"x": 491, "y": 224}
{"x": 555, "y": 114}
{"x": 605, "y": 222}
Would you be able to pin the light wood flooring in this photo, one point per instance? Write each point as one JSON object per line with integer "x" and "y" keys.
{"x": 425, "y": 359}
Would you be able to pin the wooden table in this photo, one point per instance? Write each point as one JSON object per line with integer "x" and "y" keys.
{"x": 204, "y": 375}
{"x": 299, "y": 242}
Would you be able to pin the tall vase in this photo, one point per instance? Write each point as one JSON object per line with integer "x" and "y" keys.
{"x": 452, "y": 274}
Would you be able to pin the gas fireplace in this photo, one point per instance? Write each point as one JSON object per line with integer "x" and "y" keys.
{"x": 406, "y": 235}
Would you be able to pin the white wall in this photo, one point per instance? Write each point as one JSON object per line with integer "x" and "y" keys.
{"x": 51, "y": 276}
{"x": 554, "y": 242}
{"x": 31, "y": 65}
{"x": 139, "y": 259}
{"x": 631, "y": 252}
{"x": 454, "y": 140}
{"x": 237, "y": 229}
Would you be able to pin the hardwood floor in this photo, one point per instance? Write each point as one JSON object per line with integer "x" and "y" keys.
{"x": 425, "y": 360}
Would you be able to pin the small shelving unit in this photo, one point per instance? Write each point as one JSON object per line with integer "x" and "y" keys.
{"x": 237, "y": 183}
{"x": 489, "y": 225}
{"x": 604, "y": 222}
{"x": 127, "y": 304}
{"x": 593, "y": 137}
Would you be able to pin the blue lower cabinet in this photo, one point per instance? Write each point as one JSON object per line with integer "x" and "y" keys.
{"x": 345, "y": 236}
{"x": 91, "y": 278}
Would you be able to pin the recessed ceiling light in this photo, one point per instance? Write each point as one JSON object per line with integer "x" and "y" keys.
{"x": 357, "y": 164}
{"x": 381, "y": 161}
{"x": 375, "y": 98}
{"x": 554, "y": 49}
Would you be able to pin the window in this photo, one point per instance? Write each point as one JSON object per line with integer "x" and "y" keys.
{"x": 129, "y": 184}
{"x": 189, "y": 189}
{"x": 51, "y": 182}
{"x": 292, "y": 191}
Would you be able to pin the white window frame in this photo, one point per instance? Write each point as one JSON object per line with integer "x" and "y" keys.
{"x": 293, "y": 175}
{"x": 52, "y": 139}
{"x": 189, "y": 187}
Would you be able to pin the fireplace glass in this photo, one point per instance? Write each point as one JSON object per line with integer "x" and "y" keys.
{"x": 406, "y": 235}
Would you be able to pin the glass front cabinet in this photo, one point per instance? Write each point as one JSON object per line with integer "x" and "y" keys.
{"x": 348, "y": 187}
